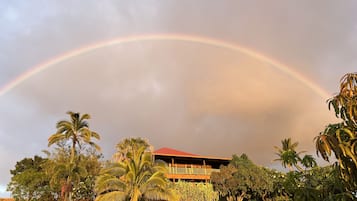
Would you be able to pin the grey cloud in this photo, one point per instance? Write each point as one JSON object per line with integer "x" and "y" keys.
{"x": 197, "y": 98}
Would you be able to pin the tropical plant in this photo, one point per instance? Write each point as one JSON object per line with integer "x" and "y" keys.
{"x": 129, "y": 146}
{"x": 288, "y": 155}
{"x": 75, "y": 133}
{"x": 68, "y": 175}
{"x": 134, "y": 177}
{"x": 308, "y": 161}
{"x": 341, "y": 138}
{"x": 82, "y": 173}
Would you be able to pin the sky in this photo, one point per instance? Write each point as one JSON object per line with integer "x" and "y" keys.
{"x": 192, "y": 96}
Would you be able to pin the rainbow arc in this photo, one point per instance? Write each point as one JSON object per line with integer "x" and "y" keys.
{"x": 163, "y": 37}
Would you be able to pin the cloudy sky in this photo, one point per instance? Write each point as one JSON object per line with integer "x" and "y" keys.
{"x": 192, "y": 96}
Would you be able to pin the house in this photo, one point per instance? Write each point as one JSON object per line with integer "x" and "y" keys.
{"x": 189, "y": 167}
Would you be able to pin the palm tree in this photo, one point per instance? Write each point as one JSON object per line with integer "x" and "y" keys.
{"x": 134, "y": 178}
{"x": 129, "y": 145}
{"x": 76, "y": 132}
{"x": 66, "y": 174}
{"x": 308, "y": 161}
{"x": 288, "y": 155}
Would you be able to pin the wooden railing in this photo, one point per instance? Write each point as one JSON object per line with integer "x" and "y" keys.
{"x": 188, "y": 171}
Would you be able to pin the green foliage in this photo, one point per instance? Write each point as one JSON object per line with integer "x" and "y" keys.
{"x": 319, "y": 183}
{"x": 29, "y": 181}
{"x": 84, "y": 190}
{"x": 341, "y": 138}
{"x": 76, "y": 134}
{"x": 242, "y": 179}
{"x": 135, "y": 176}
{"x": 311, "y": 183}
{"x": 43, "y": 178}
{"x": 190, "y": 191}
{"x": 290, "y": 158}
{"x": 128, "y": 146}
{"x": 82, "y": 174}
{"x": 308, "y": 161}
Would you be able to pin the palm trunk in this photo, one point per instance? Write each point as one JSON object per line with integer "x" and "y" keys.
{"x": 135, "y": 196}
{"x": 67, "y": 188}
{"x": 69, "y": 182}
{"x": 73, "y": 151}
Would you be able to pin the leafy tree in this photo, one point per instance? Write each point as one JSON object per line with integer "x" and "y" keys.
{"x": 318, "y": 183}
{"x": 298, "y": 186}
{"x": 277, "y": 178}
{"x": 134, "y": 177}
{"x": 341, "y": 138}
{"x": 77, "y": 134}
{"x": 29, "y": 181}
{"x": 225, "y": 183}
{"x": 242, "y": 179}
{"x": 85, "y": 188}
{"x": 329, "y": 184}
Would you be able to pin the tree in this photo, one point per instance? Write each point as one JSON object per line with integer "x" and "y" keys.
{"x": 92, "y": 165}
{"x": 29, "y": 180}
{"x": 134, "y": 177}
{"x": 288, "y": 155}
{"x": 242, "y": 179}
{"x": 82, "y": 173}
{"x": 68, "y": 175}
{"x": 308, "y": 161}
{"x": 225, "y": 183}
{"x": 341, "y": 138}
{"x": 76, "y": 132}
{"x": 129, "y": 146}
{"x": 318, "y": 183}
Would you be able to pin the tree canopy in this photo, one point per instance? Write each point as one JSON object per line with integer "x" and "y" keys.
{"x": 29, "y": 180}
{"x": 76, "y": 134}
{"x": 135, "y": 176}
{"x": 341, "y": 138}
{"x": 242, "y": 179}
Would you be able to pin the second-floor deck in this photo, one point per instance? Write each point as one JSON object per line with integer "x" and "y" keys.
{"x": 190, "y": 171}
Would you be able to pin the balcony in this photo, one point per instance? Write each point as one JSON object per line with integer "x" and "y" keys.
{"x": 190, "y": 172}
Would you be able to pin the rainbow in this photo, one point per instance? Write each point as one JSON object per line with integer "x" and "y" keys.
{"x": 162, "y": 37}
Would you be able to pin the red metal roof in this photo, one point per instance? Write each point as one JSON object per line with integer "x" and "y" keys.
{"x": 169, "y": 151}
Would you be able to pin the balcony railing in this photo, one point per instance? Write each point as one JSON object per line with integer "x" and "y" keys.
{"x": 190, "y": 169}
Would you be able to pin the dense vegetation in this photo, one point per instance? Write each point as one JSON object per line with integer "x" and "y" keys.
{"x": 74, "y": 169}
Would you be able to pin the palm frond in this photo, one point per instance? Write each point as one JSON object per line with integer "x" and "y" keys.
{"x": 111, "y": 196}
